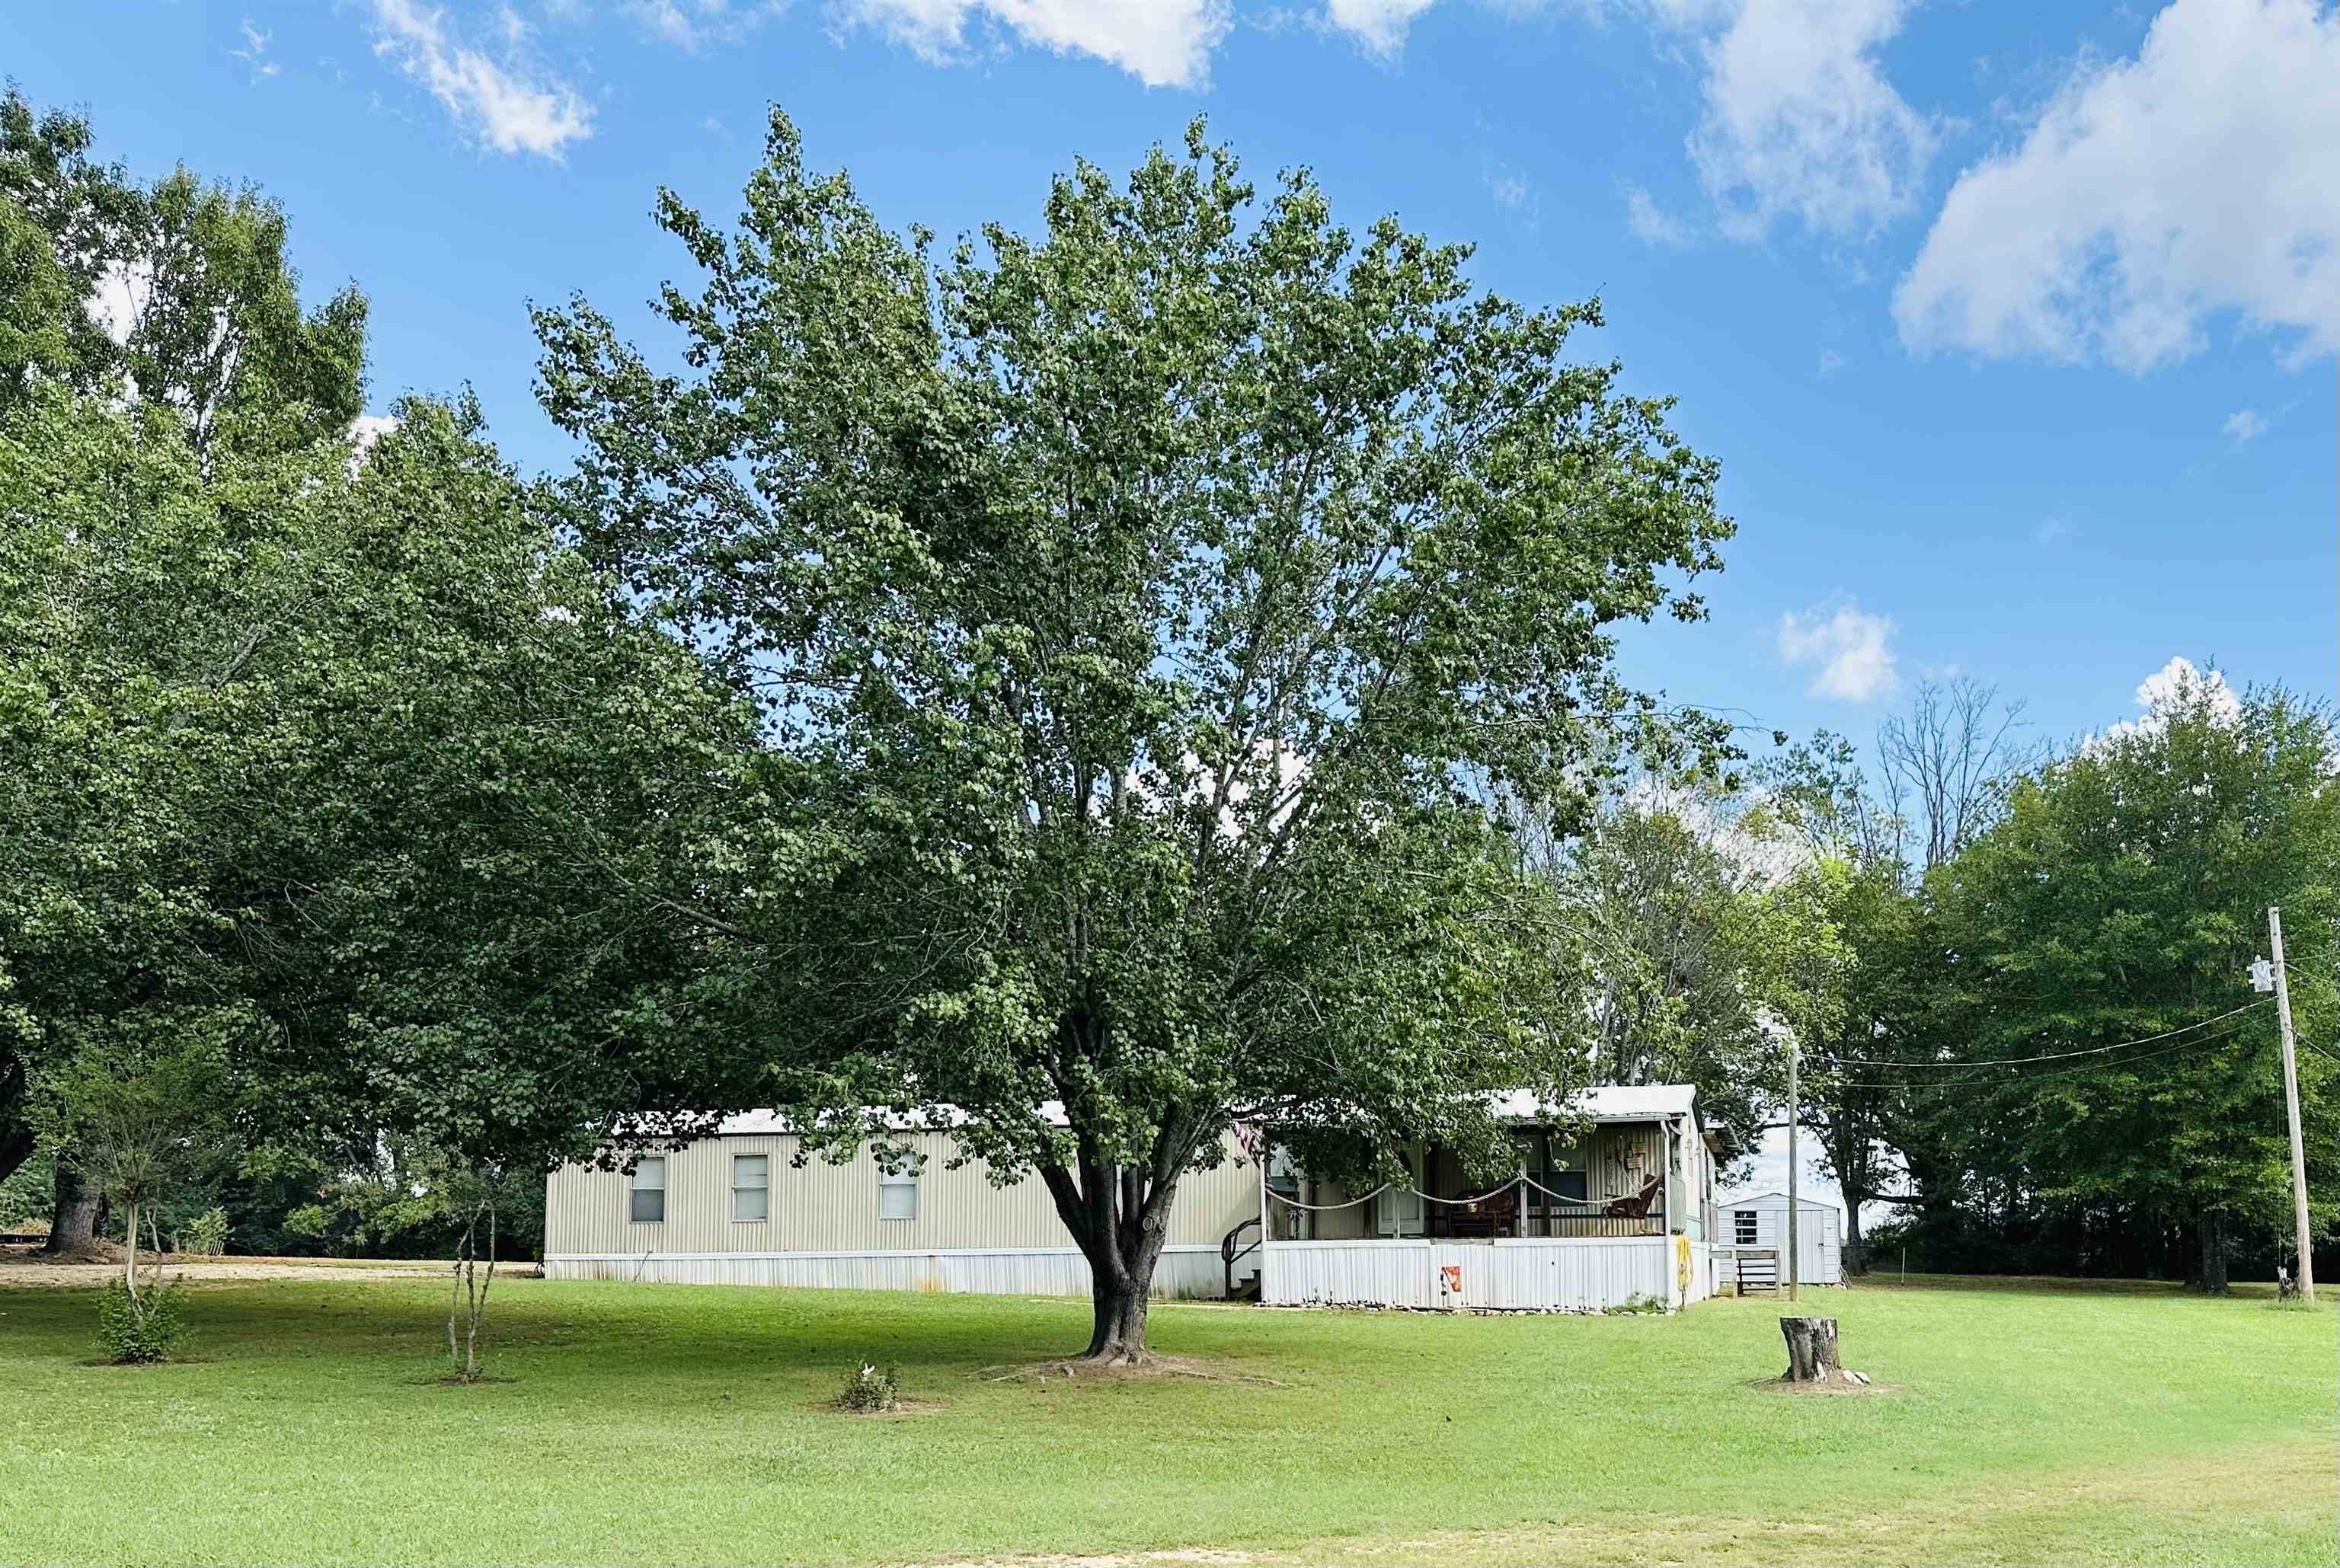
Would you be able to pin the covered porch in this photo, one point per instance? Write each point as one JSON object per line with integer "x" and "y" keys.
{"x": 1609, "y": 1205}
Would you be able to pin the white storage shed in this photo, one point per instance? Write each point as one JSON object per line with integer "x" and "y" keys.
{"x": 1760, "y": 1219}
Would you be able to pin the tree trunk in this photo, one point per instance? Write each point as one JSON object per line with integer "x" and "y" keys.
{"x": 1811, "y": 1349}
{"x": 1856, "y": 1251}
{"x": 130, "y": 1251}
{"x": 1118, "y": 1335}
{"x": 72, "y": 1229}
{"x": 2213, "y": 1229}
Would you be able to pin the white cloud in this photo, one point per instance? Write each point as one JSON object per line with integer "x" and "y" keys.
{"x": 2174, "y": 686}
{"x": 506, "y": 109}
{"x": 1830, "y": 363}
{"x": 255, "y": 52}
{"x": 1378, "y": 25}
{"x": 1162, "y": 43}
{"x": 1650, "y": 223}
{"x": 2244, "y": 425}
{"x": 1852, "y": 651}
{"x": 364, "y": 432}
{"x": 2049, "y": 530}
{"x": 695, "y": 23}
{"x": 1510, "y": 191}
{"x": 2151, "y": 194}
{"x": 1798, "y": 120}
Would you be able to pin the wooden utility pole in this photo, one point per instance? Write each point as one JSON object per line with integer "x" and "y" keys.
{"x": 2291, "y": 1114}
{"x": 1795, "y": 1262}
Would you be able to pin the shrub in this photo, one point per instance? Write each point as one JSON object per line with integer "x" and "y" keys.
{"x": 141, "y": 1329}
{"x": 1635, "y": 1304}
{"x": 205, "y": 1234}
{"x": 870, "y": 1388}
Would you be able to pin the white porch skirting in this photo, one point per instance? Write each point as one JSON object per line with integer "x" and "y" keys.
{"x": 1583, "y": 1274}
{"x": 1186, "y": 1271}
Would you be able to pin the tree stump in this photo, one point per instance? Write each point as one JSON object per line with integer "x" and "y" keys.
{"x": 1811, "y": 1354}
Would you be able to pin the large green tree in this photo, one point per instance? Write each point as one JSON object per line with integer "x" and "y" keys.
{"x": 345, "y": 767}
{"x": 2120, "y": 899}
{"x": 1144, "y": 609}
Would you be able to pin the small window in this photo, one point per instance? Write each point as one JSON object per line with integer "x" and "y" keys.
{"x": 897, "y": 1191}
{"x": 751, "y": 1186}
{"x": 1743, "y": 1227}
{"x": 648, "y": 1200}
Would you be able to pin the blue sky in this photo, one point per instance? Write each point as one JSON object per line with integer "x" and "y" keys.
{"x": 2014, "y": 325}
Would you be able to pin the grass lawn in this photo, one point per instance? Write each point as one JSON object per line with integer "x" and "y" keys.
{"x": 661, "y": 1424}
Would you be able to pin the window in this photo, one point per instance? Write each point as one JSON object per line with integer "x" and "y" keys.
{"x": 897, "y": 1191}
{"x": 751, "y": 1186}
{"x": 647, "y": 1202}
{"x": 1742, "y": 1228}
{"x": 1557, "y": 1166}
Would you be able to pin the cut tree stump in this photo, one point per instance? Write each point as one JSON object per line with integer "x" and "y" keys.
{"x": 1811, "y": 1354}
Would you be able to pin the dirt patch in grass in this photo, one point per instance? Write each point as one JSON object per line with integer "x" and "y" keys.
{"x": 902, "y": 1408}
{"x": 1155, "y": 1368}
{"x": 1832, "y": 1387}
{"x": 33, "y": 1272}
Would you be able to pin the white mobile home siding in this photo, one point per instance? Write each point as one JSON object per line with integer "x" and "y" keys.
{"x": 823, "y": 1226}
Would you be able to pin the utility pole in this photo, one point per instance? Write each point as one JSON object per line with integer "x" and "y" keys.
{"x": 2291, "y": 1113}
{"x": 1795, "y": 1268}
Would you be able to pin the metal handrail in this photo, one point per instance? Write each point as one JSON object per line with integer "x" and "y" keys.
{"x": 1229, "y": 1252}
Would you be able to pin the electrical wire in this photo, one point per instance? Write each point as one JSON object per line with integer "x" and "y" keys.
{"x": 2062, "y": 1055}
{"x": 1983, "y": 1073}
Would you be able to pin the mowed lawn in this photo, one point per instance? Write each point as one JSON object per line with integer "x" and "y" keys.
{"x": 676, "y": 1424}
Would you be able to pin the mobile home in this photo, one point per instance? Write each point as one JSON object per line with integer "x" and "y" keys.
{"x": 1612, "y": 1203}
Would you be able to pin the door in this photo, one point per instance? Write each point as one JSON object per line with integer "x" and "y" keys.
{"x": 1399, "y": 1210}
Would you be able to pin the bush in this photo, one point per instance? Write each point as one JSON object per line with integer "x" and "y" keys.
{"x": 1639, "y": 1302}
{"x": 205, "y": 1234}
{"x": 140, "y": 1330}
{"x": 870, "y": 1389}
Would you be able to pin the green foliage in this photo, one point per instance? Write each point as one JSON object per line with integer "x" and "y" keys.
{"x": 870, "y": 1388}
{"x": 205, "y": 1235}
{"x": 206, "y": 314}
{"x": 2123, "y": 897}
{"x": 140, "y": 1329}
{"x": 28, "y": 1193}
{"x": 1144, "y": 615}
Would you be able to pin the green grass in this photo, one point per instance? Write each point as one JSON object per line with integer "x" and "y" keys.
{"x": 678, "y": 1424}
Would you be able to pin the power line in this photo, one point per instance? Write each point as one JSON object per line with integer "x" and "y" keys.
{"x": 1983, "y": 1074}
{"x": 2059, "y": 1055}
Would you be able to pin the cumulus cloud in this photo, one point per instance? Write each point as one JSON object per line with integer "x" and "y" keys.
{"x": 1851, "y": 651}
{"x": 2151, "y": 194}
{"x": 504, "y": 106}
{"x": 1799, "y": 119}
{"x": 1162, "y": 43}
{"x": 1379, "y": 26}
{"x": 2176, "y": 685}
{"x": 2244, "y": 425}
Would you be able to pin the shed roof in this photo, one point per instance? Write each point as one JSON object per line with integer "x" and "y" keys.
{"x": 1772, "y": 1200}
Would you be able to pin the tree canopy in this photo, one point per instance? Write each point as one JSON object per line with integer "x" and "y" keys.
{"x": 1148, "y": 611}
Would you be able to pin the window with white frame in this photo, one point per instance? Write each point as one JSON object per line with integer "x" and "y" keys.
{"x": 897, "y": 1190}
{"x": 645, "y": 1200}
{"x": 1743, "y": 1227}
{"x": 751, "y": 1186}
